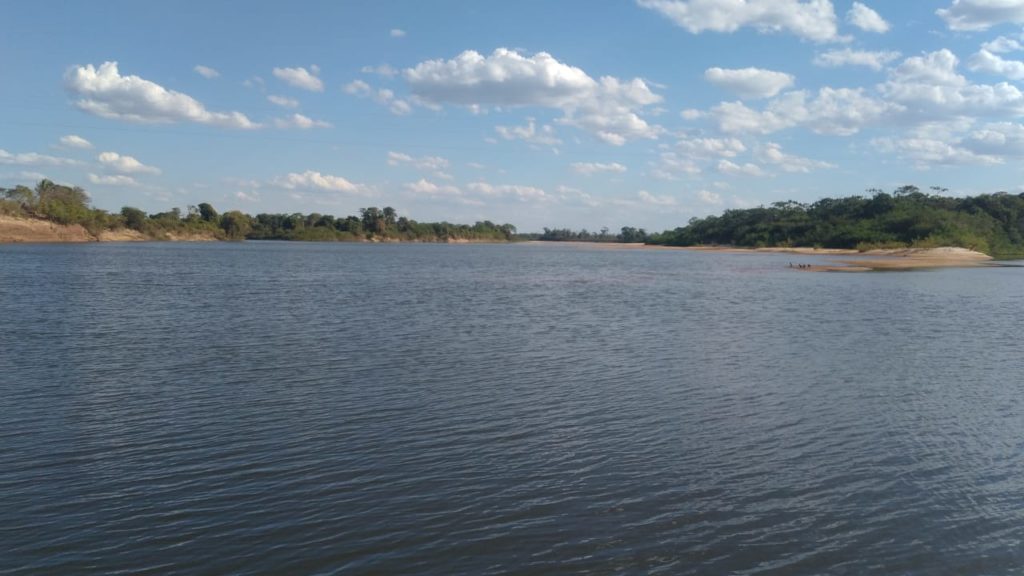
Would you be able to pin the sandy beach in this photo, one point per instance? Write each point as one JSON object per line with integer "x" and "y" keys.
{"x": 850, "y": 261}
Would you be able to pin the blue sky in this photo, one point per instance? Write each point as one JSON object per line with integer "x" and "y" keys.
{"x": 570, "y": 113}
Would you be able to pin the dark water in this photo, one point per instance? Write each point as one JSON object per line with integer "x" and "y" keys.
{"x": 286, "y": 408}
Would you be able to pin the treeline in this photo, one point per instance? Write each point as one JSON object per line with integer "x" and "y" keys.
{"x": 908, "y": 217}
{"x": 71, "y": 205}
{"x": 626, "y": 235}
{"x": 371, "y": 223}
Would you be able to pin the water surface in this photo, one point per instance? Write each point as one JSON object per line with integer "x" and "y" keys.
{"x": 269, "y": 408}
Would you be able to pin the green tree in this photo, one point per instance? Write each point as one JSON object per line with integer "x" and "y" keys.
{"x": 207, "y": 213}
{"x": 235, "y": 224}
{"x": 134, "y": 218}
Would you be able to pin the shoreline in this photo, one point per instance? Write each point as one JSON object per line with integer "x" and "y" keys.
{"x": 894, "y": 259}
{"x": 18, "y": 230}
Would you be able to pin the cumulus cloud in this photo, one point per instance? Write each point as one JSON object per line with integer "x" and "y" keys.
{"x": 425, "y": 187}
{"x": 708, "y": 197}
{"x": 672, "y": 165}
{"x": 75, "y": 141}
{"x": 1002, "y": 45}
{"x": 591, "y": 168}
{"x": 773, "y": 154}
{"x": 655, "y": 200}
{"x": 928, "y": 152}
{"x": 711, "y": 147}
{"x": 811, "y": 20}
{"x": 985, "y": 61}
{"x": 866, "y": 19}
{"x": 749, "y": 82}
{"x": 837, "y": 111}
{"x": 434, "y": 164}
{"x": 522, "y": 193}
{"x": 125, "y": 164}
{"x": 545, "y": 136}
{"x": 847, "y": 57}
{"x": 283, "y": 101}
{"x": 33, "y": 159}
{"x": 607, "y": 107}
{"x": 748, "y": 169}
{"x": 206, "y": 71}
{"x": 311, "y": 180}
{"x": 104, "y": 92}
{"x": 113, "y": 180}
{"x": 385, "y": 97}
{"x": 972, "y": 15}
{"x": 301, "y": 122}
{"x": 300, "y": 78}
{"x": 931, "y": 86}
{"x": 396, "y": 33}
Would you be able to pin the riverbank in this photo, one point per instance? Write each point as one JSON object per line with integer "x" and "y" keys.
{"x": 852, "y": 261}
{"x": 15, "y": 230}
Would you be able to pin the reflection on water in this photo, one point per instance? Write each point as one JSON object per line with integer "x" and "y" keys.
{"x": 311, "y": 408}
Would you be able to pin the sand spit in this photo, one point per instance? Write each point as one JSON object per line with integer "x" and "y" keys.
{"x": 871, "y": 260}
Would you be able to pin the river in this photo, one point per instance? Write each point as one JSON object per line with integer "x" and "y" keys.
{"x": 293, "y": 408}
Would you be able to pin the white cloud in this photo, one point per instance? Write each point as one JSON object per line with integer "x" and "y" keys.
{"x": 999, "y": 139}
{"x": 283, "y": 101}
{"x": 247, "y": 196}
{"x": 773, "y": 154}
{"x": 591, "y": 168}
{"x": 927, "y": 152}
{"x": 691, "y": 114}
{"x": 104, "y": 92}
{"x": 301, "y": 78}
{"x": 435, "y": 164}
{"x": 748, "y": 169}
{"x": 970, "y": 15}
{"x": 385, "y": 97}
{"x": 866, "y": 19}
{"x": 33, "y": 159}
{"x": 206, "y": 71}
{"x": 125, "y": 164}
{"x": 1002, "y": 45}
{"x": 523, "y": 193}
{"x": 301, "y": 122}
{"x": 74, "y": 141}
{"x": 749, "y": 82}
{"x": 812, "y": 20}
{"x": 311, "y": 180}
{"x": 425, "y": 187}
{"x": 113, "y": 180}
{"x": 837, "y": 111}
{"x": 847, "y": 57}
{"x": 931, "y": 86}
{"x": 670, "y": 166}
{"x": 985, "y": 61}
{"x": 708, "y": 197}
{"x": 397, "y": 33}
{"x": 607, "y": 107}
{"x": 653, "y": 200}
{"x": 545, "y": 136}
{"x": 711, "y": 147}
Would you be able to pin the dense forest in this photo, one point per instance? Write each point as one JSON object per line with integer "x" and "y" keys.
{"x": 908, "y": 217}
{"x": 70, "y": 205}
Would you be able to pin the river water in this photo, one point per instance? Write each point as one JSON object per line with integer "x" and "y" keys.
{"x": 292, "y": 408}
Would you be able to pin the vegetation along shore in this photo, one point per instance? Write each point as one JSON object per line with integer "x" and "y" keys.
{"x": 905, "y": 229}
{"x": 52, "y": 212}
